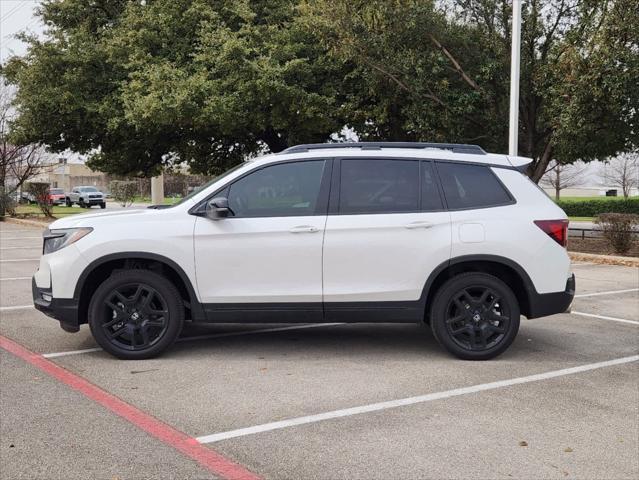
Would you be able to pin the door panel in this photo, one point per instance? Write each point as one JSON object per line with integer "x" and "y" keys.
{"x": 270, "y": 250}
{"x": 259, "y": 260}
{"x": 374, "y": 258}
{"x": 387, "y": 231}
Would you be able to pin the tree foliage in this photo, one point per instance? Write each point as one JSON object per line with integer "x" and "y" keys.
{"x": 139, "y": 85}
{"x": 143, "y": 84}
{"x": 440, "y": 71}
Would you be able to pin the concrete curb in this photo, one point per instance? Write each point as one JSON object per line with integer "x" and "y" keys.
{"x": 30, "y": 223}
{"x": 604, "y": 259}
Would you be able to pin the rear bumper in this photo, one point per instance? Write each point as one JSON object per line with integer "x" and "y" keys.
{"x": 544, "y": 304}
{"x": 65, "y": 310}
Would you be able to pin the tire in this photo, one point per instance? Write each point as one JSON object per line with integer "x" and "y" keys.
{"x": 136, "y": 314}
{"x": 82, "y": 204}
{"x": 68, "y": 202}
{"x": 475, "y": 316}
{"x": 103, "y": 205}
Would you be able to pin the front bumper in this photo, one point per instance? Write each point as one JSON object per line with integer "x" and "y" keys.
{"x": 65, "y": 310}
{"x": 544, "y": 304}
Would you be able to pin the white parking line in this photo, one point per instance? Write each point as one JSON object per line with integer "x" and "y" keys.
{"x": 204, "y": 337}
{"x": 611, "y": 292}
{"x": 291, "y": 422}
{"x": 14, "y": 278}
{"x": 603, "y": 317}
{"x": 20, "y": 260}
{"x": 71, "y": 352}
{"x": 17, "y": 307}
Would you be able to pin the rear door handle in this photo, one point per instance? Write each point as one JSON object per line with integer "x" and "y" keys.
{"x": 414, "y": 225}
{"x": 304, "y": 229}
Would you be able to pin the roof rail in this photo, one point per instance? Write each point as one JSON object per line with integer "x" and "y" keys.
{"x": 453, "y": 147}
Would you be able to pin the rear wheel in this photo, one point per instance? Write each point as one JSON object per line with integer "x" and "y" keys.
{"x": 136, "y": 314}
{"x": 475, "y": 316}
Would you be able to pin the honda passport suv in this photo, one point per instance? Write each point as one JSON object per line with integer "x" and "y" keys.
{"x": 440, "y": 234}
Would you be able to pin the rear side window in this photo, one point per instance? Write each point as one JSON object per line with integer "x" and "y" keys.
{"x": 379, "y": 186}
{"x": 471, "y": 186}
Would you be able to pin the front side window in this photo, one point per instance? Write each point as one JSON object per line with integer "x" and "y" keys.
{"x": 471, "y": 186}
{"x": 379, "y": 186}
{"x": 284, "y": 190}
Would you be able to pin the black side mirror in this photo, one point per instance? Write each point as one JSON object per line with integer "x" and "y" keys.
{"x": 218, "y": 208}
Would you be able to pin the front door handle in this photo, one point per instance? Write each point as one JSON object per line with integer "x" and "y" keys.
{"x": 414, "y": 225}
{"x": 304, "y": 229}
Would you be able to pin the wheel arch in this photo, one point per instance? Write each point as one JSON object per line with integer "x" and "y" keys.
{"x": 503, "y": 268}
{"x": 98, "y": 270}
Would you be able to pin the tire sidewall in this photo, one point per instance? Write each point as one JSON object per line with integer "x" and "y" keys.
{"x": 163, "y": 286}
{"x": 440, "y": 304}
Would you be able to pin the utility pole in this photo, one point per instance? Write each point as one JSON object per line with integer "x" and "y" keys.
{"x": 157, "y": 190}
{"x": 514, "y": 79}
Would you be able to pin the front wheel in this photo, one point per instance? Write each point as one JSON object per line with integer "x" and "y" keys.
{"x": 475, "y": 316}
{"x": 103, "y": 205}
{"x": 68, "y": 202}
{"x": 136, "y": 314}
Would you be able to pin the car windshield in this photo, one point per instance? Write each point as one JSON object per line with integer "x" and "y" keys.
{"x": 210, "y": 182}
{"x": 88, "y": 189}
{"x": 56, "y": 191}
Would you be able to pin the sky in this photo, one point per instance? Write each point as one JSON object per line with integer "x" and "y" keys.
{"x": 16, "y": 16}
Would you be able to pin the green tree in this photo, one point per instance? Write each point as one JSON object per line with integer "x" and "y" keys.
{"x": 141, "y": 85}
{"x": 439, "y": 71}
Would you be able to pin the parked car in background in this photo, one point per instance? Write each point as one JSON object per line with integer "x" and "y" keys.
{"x": 56, "y": 196}
{"x": 86, "y": 197}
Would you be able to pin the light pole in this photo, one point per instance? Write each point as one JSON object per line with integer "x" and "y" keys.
{"x": 514, "y": 79}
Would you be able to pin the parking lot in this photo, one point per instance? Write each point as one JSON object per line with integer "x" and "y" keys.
{"x": 332, "y": 401}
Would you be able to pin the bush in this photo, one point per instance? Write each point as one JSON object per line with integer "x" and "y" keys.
{"x": 7, "y": 202}
{"x": 620, "y": 229}
{"x": 592, "y": 208}
{"x": 123, "y": 191}
{"x": 40, "y": 191}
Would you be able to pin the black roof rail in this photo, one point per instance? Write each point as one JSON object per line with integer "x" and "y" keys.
{"x": 453, "y": 147}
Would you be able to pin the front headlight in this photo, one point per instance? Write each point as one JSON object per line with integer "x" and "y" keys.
{"x": 54, "y": 240}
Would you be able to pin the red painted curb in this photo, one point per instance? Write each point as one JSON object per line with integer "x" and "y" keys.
{"x": 189, "y": 446}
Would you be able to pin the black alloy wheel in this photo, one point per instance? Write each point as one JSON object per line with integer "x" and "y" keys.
{"x": 136, "y": 314}
{"x": 475, "y": 316}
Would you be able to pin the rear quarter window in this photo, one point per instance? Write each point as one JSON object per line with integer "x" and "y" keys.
{"x": 471, "y": 186}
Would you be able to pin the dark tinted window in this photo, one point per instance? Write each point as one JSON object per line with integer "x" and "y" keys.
{"x": 379, "y": 186}
{"x": 288, "y": 189}
{"x": 431, "y": 200}
{"x": 471, "y": 186}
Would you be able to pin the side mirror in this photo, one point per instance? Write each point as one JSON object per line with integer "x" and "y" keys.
{"x": 218, "y": 208}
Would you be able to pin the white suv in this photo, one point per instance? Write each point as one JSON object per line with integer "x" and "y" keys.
{"x": 441, "y": 234}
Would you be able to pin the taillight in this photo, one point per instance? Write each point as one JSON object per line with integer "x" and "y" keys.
{"x": 556, "y": 229}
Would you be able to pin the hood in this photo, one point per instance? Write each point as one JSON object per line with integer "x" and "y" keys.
{"x": 90, "y": 219}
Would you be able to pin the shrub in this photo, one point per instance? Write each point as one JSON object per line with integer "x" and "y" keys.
{"x": 7, "y": 202}
{"x": 592, "y": 208}
{"x": 620, "y": 229}
{"x": 40, "y": 191}
{"x": 123, "y": 191}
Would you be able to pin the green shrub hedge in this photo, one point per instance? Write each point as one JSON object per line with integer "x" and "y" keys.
{"x": 590, "y": 208}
